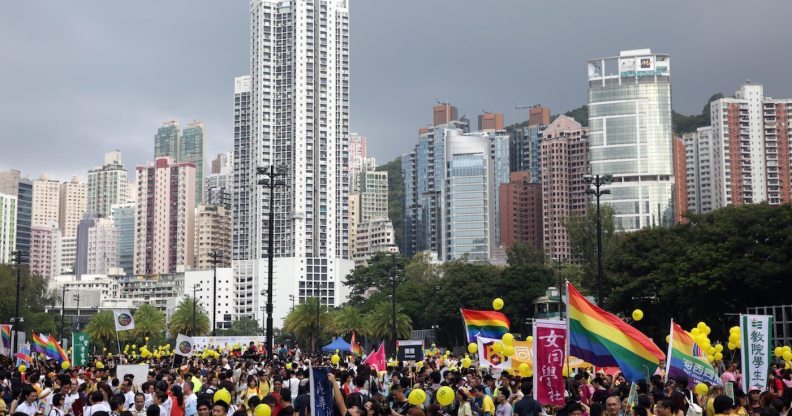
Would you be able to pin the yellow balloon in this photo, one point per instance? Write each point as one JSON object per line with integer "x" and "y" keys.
{"x": 222, "y": 395}
{"x": 787, "y": 348}
{"x": 734, "y": 329}
{"x": 508, "y": 351}
{"x": 529, "y": 373}
{"x": 335, "y": 359}
{"x": 710, "y": 358}
{"x": 104, "y": 349}
{"x": 695, "y": 332}
{"x": 787, "y": 356}
{"x": 65, "y": 365}
{"x": 530, "y": 339}
{"x": 416, "y": 397}
{"x": 637, "y": 315}
{"x": 472, "y": 348}
{"x": 707, "y": 330}
{"x": 565, "y": 371}
{"x": 147, "y": 339}
{"x": 718, "y": 356}
{"x": 497, "y": 304}
{"x": 497, "y": 347}
{"x": 701, "y": 389}
{"x": 702, "y": 327}
{"x": 262, "y": 410}
{"x": 523, "y": 369}
{"x": 22, "y": 368}
{"x": 668, "y": 339}
{"x": 718, "y": 348}
{"x": 466, "y": 362}
{"x": 508, "y": 339}
{"x": 445, "y": 395}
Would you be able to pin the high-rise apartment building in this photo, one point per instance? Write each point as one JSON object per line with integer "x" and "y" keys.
{"x": 368, "y": 213}
{"x": 372, "y": 237}
{"x": 244, "y": 175}
{"x": 192, "y": 148}
{"x": 630, "y": 138}
{"x": 123, "y": 216}
{"x": 223, "y": 163}
{"x": 538, "y": 115}
{"x": 565, "y": 151}
{"x": 212, "y": 234}
{"x": 357, "y": 153}
{"x": 751, "y": 133}
{"x": 444, "y": 113}
{"x": 108, "y": 185}
{"x": 12, "y": 183}
{"x": 680, "y": 185}
{"x": 521, "y": 211}
{"x": 490, "y": 121}
{"x": 8, "y": 218}
{"x": 43, "y": 251}
{"x": 165, "y": 218}
{"x": 46, "y": 202}
{"x": 526, "y": 142}
{"x": 97, "y": 250}
{"x": 72, "y": 206}
{"x": 65, "y": 253}
{"x": 300, "y": 125}
{"x": 702, "y": 173}
{"x": 166, "y": 141}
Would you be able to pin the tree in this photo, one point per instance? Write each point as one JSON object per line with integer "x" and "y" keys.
{"x": 101, "y": 328}
{"x": 307, "y": 320}
{"x": 582, "y": 232}
{"x": 580, "y": 114}
{"x": 242, "y": 327}
{"x": 182, "y": 320}
{"x": 149, "y": 321}
{"x": 685, "y": 124}
{"x": 519, "y": 254}
{"x": 379, "y": 321}
{"x": 348, "y": 319}
{"x": 32, "y": 299}
{"x": 376, "y": 276}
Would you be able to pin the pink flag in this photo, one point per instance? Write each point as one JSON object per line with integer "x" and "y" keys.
{"x": 377, "y": 359}
{"x": 550, "y": 338}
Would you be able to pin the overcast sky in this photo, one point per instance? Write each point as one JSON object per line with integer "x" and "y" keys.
{"x": 79, "y": 78}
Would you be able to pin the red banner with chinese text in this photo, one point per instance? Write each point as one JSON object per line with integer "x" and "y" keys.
{"x": 550, "y": 337}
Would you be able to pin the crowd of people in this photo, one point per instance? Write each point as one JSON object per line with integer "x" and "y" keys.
{"x": 236, "y": 384}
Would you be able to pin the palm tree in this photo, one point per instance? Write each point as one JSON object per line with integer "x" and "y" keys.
{"x": 348, "y": 320}
{"x": 102, "y": 328}
{"x": 379, "y": 321}
{"x": 149, "y": 321}
{"x": 182, "y": 319}
{"x": 307, "y": 321}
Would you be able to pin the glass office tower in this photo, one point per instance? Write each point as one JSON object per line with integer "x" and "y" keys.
{"x": 631, "y": 136}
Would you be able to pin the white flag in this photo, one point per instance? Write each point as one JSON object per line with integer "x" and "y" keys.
{"x": 184, "y": 346}
{"x": 123, "y": 320}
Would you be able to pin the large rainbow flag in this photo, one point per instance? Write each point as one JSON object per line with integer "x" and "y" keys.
{"x": 354, "y": 347}
{"x": 38, "y": 343}
{"x": 604, "y": 340}
{"x": 55, "y": 351}
{"x": 686, "y": 358}
{"x": 488, "y": 324}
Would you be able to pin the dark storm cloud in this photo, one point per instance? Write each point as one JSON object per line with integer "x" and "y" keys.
{"x": 83, "y": 77}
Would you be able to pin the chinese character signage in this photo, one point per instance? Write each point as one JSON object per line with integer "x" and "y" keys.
{"x": 410, "y": 350}
{"x": 80, "y": 342}
{"x": 756, "y": 337}
{"x": 550, "y": 338}
{"x": 321, "y": 392}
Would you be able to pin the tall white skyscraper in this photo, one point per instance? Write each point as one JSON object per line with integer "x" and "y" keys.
{"x": 107, "y": 185}
{"x": 299, "y": 122}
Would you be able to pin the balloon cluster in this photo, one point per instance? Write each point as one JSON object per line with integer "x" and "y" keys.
{"x": 734, "y": 338}
{"x": 700, "y": 334}
{"x": 210, "y": 353}
{"x": 784, "y": 352}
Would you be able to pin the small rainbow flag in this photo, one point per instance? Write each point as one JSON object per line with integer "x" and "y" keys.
{"x": 354, "y": 347}
{"x": 604, "y": 340}
{"x": 685, "y": 357}
{"x": 55, "y": 351}
{"x": 39, "y": 343}
{"x": 488, "y": 324}
{"x": 5, "y": 334}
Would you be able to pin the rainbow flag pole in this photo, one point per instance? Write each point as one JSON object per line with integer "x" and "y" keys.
{"x": 488, "y": 324}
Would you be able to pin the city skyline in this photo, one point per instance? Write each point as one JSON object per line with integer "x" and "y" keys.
{"x": 103, "y": 91}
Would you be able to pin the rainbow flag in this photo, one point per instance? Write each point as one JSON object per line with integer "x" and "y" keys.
{"x": 55, "y": 351}
{"x": 604, "y": 340}
{"x": 354, "y": 347}
{"x": 488, "y": 324}
{"x": 5, "y": 334}
{"x": 686, "y": 358}
{"x": 39, "y": 343}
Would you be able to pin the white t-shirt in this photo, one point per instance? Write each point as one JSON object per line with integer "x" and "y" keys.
{"x": 29, "y": 409}
{"x": 129, "y": 399}
{"x": 98, "y": 407}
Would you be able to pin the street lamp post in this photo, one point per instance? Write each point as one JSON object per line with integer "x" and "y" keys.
{"x": 20, "y": 257}
{"x": 393, "y": 278}
{"x": 63, "y": 312}
{"x": 77, "y": 299}
{"x": 595, "y": 188}
{"x": 217, "y": 257}
{"x": 557, "y": 264}
{"x": 270, "y": 182}
{"x": 195, "y": 301}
